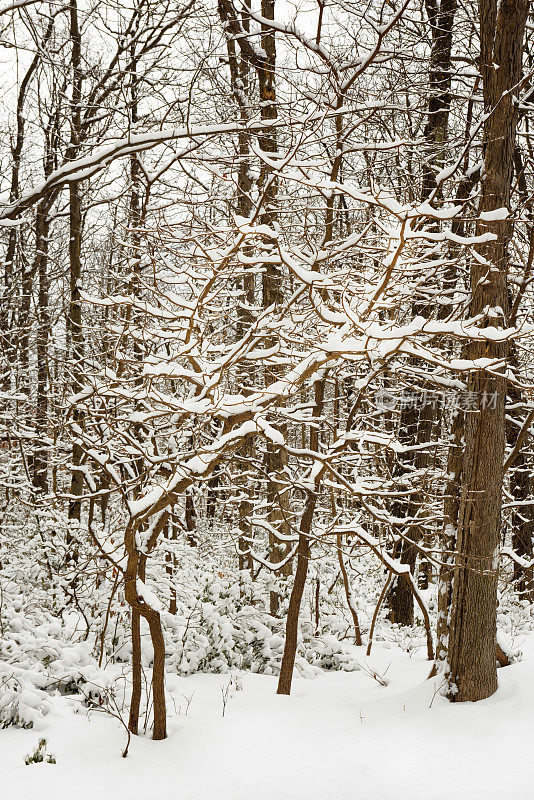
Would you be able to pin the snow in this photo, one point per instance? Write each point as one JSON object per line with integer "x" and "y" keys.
{"x": 341, "y": 735}
{"x": 148, "y": 596}
{"x": 102, "y": 156}
{"x": 495, "y": 215}
{"x": 443, "y": 174}
{"x": 143, "y": 503}
{"x": 19, "y": 4}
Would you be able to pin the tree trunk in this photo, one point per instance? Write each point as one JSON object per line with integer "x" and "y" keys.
{"x": 472, "y": 640}
{"x": 521, "y": 489}
{"x": 40, "y": 461}
{"x": 264, "y": 62}
{"x": 240, "y": 81}
{"x": 418, "y": 425}
{"x": 159, "y": 729}
{"x": 273, "y": 294}
{"x": 448, "y": 538}
{"x": 303, "y": 558}
{"x": 348, "y": 592}
{"x": 136, "y": 569}
{"x": 135, "y": 700}
{"x": 74, "y": 321}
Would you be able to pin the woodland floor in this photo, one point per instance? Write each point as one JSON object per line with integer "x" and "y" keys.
{"x": 340, "y": 735}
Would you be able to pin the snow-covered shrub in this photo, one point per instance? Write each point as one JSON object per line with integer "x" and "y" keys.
{"x": 22, "y": 702}
{"x": 222, "y": 624}
{"x": 327, "y": 652}
{"x": 39, "y": 654}
{"x": 216, "y": 629}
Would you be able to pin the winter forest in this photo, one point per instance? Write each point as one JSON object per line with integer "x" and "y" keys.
{"x": 266, "y": 399}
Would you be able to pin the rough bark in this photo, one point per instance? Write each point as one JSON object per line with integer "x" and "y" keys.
{"x": 472, "y": 640}
{"x": 448, "y": 538}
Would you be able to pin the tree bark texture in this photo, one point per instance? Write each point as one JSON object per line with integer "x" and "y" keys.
{"x": 472, "y": 640}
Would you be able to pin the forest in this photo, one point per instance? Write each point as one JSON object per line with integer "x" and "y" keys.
{"x": 266, "y": 399}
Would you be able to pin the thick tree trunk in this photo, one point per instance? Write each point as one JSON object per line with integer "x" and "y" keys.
{"x": 472, "y": 640}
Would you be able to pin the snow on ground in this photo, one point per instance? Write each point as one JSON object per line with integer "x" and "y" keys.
{"x": 341, "y": 735}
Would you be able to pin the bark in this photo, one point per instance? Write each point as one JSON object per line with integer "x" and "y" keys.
{"x": 455, "y": 452}
{"x": 170, "y": 558}
{"x": 240, "y": 82}
{"x": 213, "y": 494}
{"x": 42, "y": 233}
{"x": 159, "y": 729}
{"x": 74, "y": 320}
{"x": 419, "y": 425}
{"x": 24, "y": 329}
{"x": 301, "y": 572}
{"x": 521, "y": 478}
{"x": 416, "y": 426}
{"x": 135, "y": 700}
{"x": 40, "y": 461}
{"x": 303, "y": 558}
{"x": 137, "y": 561}
{"x": 522, "y": 523}
{"x": 264, "y": 63}
{"x": 472, "y": 639}
{"x": 273, "y": 294}
{"x": 135, "y": 569}
{"x": 448, "y": 538}
{"x": 441, "y": 17}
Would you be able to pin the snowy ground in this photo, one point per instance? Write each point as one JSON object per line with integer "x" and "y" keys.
{"x": 340, "y": 735}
